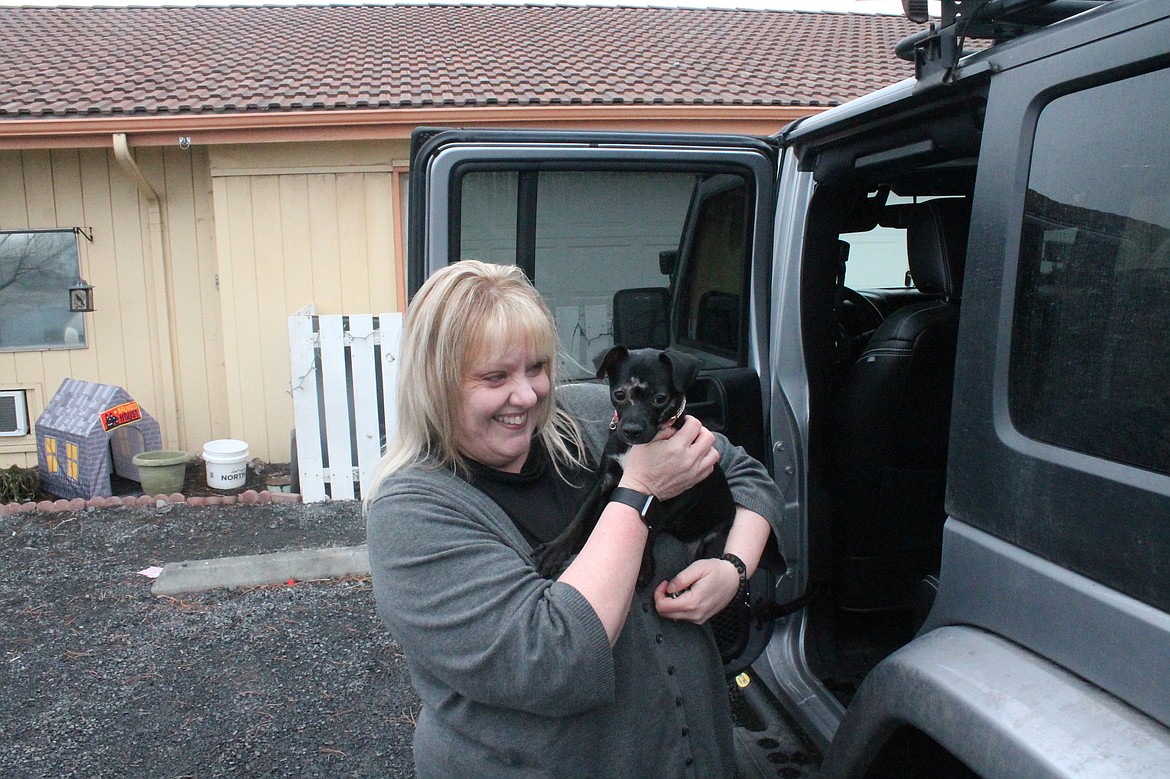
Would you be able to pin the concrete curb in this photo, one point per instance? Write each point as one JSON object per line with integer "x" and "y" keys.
{"x": 253, "y": 570}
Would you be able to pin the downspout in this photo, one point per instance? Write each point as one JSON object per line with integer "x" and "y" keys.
{"x": 163, "y": 347}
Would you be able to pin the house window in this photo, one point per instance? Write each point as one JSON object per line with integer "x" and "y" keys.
{"x": 71, "y": 466}
{"x": 52, "y": 465}
{"x": 37, "y": 267}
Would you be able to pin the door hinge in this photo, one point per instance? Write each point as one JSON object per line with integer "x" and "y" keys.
{"x": 784, "y": 466}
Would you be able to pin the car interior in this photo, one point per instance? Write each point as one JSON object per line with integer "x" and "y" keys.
{"x": 881, "y": 365}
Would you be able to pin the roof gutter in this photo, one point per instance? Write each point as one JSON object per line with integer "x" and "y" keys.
{"x": 382, "y": 124}
{"x": 160, "y": 300}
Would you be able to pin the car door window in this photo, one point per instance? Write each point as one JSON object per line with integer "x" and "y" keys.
{"x": 1090, "y": 357}
{"x": 713, "y": 257}
{"x": 645, "y": 257}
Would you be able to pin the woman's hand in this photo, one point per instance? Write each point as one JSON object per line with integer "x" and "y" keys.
{"x": 673, "y": 462}
{"x": 700, "y": 591}
{"x": 705, "y": 587}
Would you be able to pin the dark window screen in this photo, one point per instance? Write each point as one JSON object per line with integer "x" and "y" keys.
{"x": 1090, "y": 367}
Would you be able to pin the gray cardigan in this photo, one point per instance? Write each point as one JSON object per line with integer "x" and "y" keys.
{"x": 515, "y": 672}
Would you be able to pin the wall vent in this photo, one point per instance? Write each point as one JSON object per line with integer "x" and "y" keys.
{"x": 13, "y": 413}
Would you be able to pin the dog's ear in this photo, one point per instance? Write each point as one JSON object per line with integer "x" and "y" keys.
{"x": 608, "y": 361}
{"x": 683, "y": 368}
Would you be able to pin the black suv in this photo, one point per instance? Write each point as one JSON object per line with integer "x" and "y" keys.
{"x": 941, "y": 315}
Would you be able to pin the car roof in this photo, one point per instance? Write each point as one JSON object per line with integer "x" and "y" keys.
{"x": 1096, "y": 22}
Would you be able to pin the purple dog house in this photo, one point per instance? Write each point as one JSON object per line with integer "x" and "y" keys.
{"x": 87, "y": 432}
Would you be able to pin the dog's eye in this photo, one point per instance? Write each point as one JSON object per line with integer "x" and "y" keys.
{"x": 618, "y": 396}
{"x": 660, "y": 399}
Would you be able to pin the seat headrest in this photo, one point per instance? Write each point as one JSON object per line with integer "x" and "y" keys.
{"x": 936, "y": 244}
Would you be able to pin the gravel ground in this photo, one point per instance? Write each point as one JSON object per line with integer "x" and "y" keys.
{"x": 101, "y": 678}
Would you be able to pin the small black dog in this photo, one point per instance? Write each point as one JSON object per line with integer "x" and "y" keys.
{"x": 648, "y": 389}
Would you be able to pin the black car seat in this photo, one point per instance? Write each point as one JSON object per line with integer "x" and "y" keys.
{"x": 889, "y": 426}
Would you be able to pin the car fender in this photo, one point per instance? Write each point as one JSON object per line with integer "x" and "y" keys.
{"x": 1000, "y": 709}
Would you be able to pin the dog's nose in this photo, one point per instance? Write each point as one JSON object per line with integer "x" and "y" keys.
{"x": 634, "y": 432}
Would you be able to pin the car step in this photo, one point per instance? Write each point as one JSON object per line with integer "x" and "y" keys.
{"x": 780, "y": 750}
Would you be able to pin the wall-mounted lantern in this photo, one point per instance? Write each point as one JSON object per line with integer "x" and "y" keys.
{"x": 81, "y": 296}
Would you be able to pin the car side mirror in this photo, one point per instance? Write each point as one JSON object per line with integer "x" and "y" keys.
{"x": 668, "y": 261}
{"x": 641, "y": 317}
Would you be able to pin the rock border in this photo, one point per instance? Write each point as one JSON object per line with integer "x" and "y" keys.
{"x": 247, "y": 497}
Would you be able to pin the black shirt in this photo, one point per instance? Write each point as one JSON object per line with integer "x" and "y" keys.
{"x": 537, "y": 499}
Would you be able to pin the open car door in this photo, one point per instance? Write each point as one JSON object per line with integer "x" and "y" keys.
{"x": 639, "y": 239}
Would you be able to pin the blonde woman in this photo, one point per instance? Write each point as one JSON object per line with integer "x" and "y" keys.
{"x": 521, "y": 676}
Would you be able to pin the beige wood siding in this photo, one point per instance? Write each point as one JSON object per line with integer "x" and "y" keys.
{"x": 297, "y": 224}
{"x": 87, "y": 188}
{"x": 249, "y": 235}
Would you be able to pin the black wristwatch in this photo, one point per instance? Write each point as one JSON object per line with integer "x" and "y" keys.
{"x": 634, "y": 499}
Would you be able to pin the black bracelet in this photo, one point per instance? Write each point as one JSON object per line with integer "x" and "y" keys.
{"x": 742, "y": 569}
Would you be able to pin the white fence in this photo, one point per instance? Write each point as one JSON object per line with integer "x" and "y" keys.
{"x": 344, "y": 370}
{"x": 344, "y": 373}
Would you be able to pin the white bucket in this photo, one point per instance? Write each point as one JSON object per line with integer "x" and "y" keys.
{"x": 227, "y": 463}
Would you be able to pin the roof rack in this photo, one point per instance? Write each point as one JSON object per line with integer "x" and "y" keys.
{"x": 936, "y": 51}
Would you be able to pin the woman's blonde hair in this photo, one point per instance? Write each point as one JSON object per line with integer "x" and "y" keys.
{"x": 466, "y": 309}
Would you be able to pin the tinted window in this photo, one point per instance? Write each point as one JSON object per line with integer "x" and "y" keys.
{"x": 1090, "y": 365}
{"x": 713, "y": 264}
{"x": 593, "y": 239}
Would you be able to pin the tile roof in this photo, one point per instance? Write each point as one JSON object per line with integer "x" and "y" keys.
{"x": 103, "y": 61}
